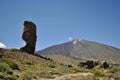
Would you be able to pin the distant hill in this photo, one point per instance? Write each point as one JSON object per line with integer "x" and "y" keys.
{"x": 77, "y": 50}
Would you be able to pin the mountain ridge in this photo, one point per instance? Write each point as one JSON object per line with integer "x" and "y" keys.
{"x": 83, "y": 49}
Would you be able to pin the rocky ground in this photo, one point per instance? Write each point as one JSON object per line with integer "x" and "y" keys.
{"x": 17, "y": 65}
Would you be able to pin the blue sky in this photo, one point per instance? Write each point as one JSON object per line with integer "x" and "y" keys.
{"x": 59, "y": 20}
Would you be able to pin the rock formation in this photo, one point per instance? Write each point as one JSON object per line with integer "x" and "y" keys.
{"x": 105, "y": 65}
{"x": 89, "y": 64}
{"x": 29, "y": 36}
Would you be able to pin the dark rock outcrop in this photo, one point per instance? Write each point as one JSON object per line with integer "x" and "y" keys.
{"x": 29, "y": 36}
{"x": 89, "y": 64}
{"x": 105, "y": 65}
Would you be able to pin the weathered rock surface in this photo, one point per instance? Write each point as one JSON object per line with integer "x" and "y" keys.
{"x": 29, "y": 36}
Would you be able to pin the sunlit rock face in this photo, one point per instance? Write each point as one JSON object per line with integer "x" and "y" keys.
{"x": 29, "y": 36}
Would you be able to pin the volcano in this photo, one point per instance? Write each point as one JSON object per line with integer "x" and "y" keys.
{"x": 77, "y": 50}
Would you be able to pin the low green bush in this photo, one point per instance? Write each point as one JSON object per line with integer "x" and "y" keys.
{"x": 77, "y": 69}
{"x": 51, "y": 66}
{"x": 113, "y": 70}
{"x": 29, "y": 62}
{"x": 11, "y": 64}
{"x": 4, "y": 67}
{"x": 99, "y": 72}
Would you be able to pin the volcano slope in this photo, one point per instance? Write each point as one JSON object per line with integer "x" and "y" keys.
{"x": 77, "y": 50}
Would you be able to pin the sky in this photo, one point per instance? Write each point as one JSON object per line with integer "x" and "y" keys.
{"x": 59, "y": 21}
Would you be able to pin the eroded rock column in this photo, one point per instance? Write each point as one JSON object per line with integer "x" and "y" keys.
{"x": 29, "y": 36}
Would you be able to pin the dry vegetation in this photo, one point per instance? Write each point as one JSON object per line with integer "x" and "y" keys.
{"x": 17, "y": 65}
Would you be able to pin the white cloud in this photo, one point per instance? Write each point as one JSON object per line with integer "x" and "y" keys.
{"x": 70, "y": 38}
{"x": 2, "y": 45}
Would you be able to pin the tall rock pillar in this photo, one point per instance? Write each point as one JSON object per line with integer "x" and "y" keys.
{"x": 29, "y": 36}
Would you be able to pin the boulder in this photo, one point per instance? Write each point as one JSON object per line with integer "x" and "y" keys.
{"x": 89, "y": 64}
{"x": 29, "y": 36}
{"x": 105, "y": 65}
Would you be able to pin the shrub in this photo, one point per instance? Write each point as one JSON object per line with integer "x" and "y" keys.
{"x": 12, "y": 64}
{"x": 77, "y": 69}
{"x": 51, "y": 66}
{"x": 29, "y": 63}
{"x": 4, "y": 67}
{"x": 99, "y": 73}
{"x": 53, "y": 72}
{"x": 113, "y": 70}
{"x": 9, "y": 72}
